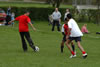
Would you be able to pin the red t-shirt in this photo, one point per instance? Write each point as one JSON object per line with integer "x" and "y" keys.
{"x": 23, "y": 23}
{"x": 66, "y": 29}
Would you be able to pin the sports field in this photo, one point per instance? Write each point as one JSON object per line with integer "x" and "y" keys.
{"x": 12, "y": 55}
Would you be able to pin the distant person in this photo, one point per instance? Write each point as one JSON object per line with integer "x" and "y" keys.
{"x": 75, "y": 35}
{"x": 84, "y": 29}
{"x": 65, "y": 34}
{"x": 12, "y": 17}
{"x": 50, "y": 19}
{"x": 8, "y": 17}
{"x": 56, "y": 19}
{"x": 67, "y": 12}
{"x": 9, "y": 11}
{"x": 24, "y": 31}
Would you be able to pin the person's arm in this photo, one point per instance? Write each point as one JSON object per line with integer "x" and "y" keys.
{"x": 59, "y": 17}
{"x": 62, "y": 30}
{"x": 53, "y": 15}
{"x": 11, "y": 21}
{"x": 32, "y": 26}
{"x": 69, "y": 30}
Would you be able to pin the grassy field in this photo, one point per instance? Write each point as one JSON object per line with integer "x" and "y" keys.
{"x": 21, "y": 4}
{"x": 12, "y": 55}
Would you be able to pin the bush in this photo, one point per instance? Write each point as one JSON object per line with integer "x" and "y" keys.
{"x": 36, "y": 13}
{"x": 41, "y": 14}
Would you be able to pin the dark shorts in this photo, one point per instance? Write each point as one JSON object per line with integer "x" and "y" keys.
{"x": 64, "y": 38}
{"x": 75, "y": 38}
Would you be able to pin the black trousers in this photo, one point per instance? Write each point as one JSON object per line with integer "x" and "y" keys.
{"x": 26, "y": 35}
{"x": 55, "y": 22}
{"x": 8, "y": 18}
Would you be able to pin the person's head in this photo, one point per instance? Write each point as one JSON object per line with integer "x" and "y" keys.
{"x": 9, "y": 7}
{"x": 56, "y": 9}
{"x": 69, "y": 16}
{"x": 66, "y": 21}
{"x": 27, "y": 13}
{"x": 67, "y": 10}
{"x": 85, "y": 24}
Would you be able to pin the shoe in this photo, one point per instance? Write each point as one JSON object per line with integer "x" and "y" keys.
{"x": 72, "y": 56}
{"x": 84, "y": 55}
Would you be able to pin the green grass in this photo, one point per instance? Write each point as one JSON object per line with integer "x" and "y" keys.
{"x": 12, "y": 55}
{"x": 23, "y": 4}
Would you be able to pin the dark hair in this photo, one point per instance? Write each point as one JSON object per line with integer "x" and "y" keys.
{"x": 67, "y": 9}
{"x": 26, "y": 11}
{"x": 65, "y": 19}
{"x": 69, "y": 16}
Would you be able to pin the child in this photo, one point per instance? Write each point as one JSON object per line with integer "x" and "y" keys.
{"x": 84, "y": 29}
{"x": 12, "y": 17}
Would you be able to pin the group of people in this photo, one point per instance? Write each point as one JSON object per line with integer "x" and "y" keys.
{"x": 55, "y": 20}
{"x": 10, "y": 16}
{"x": 70, "y": 30}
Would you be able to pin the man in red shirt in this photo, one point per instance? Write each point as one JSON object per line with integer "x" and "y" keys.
{"x": 24, "y": 31}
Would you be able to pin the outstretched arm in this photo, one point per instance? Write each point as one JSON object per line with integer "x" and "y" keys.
{"x": 11, "y": 21}
{"x": 32, "y": 26}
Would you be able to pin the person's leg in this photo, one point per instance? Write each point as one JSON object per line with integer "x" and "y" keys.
{"x": 24, "y": 45}
{"x": 69, "y": 47}
{"x": 73, "y": 46}
{"x": 78, "y": 39}
{"x": 62, "y": 43}
{"x": 80, "y": 47}
{"x": 53, "y": 25}
{"x": 27, "y": 35}
{"x": 58, "y": 26}
{"x": 62, "y": 46}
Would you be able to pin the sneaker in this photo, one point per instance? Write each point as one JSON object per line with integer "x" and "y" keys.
{"x": 84, "y": 55}
{"x": 72, "y": 56}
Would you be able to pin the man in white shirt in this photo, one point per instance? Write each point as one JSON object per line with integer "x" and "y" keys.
{"x": 67, "y": 12}
{"x": 56, "y": 19}
{"x": 75, "y": 35}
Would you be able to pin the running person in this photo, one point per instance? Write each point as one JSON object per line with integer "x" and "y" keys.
{"x": 24, "y": 31}
{"x": 65, "y": 33}
{"x": 75, "y": 35}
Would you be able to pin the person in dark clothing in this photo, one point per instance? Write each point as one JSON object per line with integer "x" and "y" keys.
{"x": 8, "y": 17}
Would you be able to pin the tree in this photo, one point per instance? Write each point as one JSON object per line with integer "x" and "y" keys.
{"x": 56, "y": 3}
{"x": 98, "y": 11}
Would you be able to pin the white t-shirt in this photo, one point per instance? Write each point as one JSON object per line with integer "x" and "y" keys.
{"x": 66, "y": 14}
{"x": 62, "y": 29}
{"x": 75, "y": 31}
